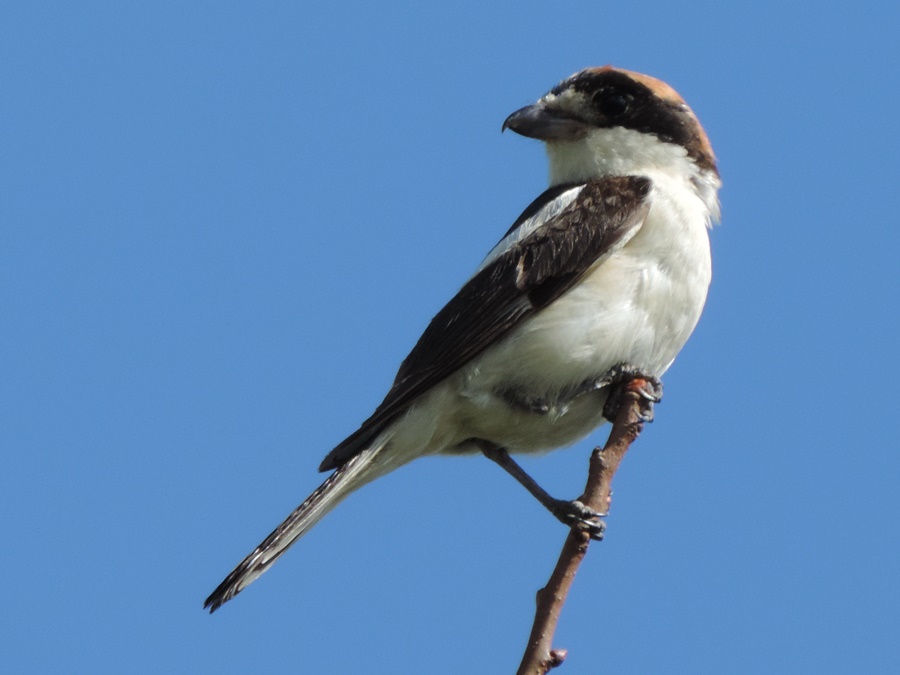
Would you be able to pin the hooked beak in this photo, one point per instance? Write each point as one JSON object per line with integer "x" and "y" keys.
{"x": 546, "y": 124}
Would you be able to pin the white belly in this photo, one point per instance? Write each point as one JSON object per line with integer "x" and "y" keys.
{"x": 638, "y": 307}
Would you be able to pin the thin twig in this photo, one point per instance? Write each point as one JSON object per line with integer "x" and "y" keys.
{"x": 540, "y": 657}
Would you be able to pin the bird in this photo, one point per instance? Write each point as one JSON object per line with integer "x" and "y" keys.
{"x": 602, "y": 277}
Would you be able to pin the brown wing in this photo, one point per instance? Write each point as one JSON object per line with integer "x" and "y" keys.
{"x": 530, "y": 275}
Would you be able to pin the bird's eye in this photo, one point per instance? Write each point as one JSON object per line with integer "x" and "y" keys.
{"x": 611, "y": 104}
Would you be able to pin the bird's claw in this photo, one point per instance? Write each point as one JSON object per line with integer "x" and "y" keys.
{"x": 624, "y": 378}
{"x": 576, "y": 515}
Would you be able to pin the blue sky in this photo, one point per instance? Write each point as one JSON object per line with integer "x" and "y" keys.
{"x": 224, "y": 226}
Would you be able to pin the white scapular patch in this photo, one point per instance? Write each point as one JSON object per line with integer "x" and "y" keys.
{"x": 550, "y": 210}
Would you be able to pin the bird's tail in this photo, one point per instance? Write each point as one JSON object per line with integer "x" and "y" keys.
{"x": 348, "y": 477}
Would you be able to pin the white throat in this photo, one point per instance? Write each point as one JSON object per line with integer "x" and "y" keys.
{"x": 625, "y": 152}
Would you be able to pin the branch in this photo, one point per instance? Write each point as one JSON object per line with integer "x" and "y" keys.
{"x": 540, "y": 657}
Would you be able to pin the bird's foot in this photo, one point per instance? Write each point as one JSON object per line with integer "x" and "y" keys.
{"x": 521, "y": 400}
{"x": 573, "y": 514}
{"x": 576, "y": 515}
{"x": 626, "y": 378}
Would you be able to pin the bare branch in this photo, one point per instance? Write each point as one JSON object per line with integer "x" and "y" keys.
{"x": 540, "y": 657}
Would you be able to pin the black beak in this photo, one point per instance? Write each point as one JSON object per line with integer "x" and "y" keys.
{"x": 545, "y": 124}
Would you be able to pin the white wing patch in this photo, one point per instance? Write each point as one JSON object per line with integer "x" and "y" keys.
{"x": 549, "y": 211}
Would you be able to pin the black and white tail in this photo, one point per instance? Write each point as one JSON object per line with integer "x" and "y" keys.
{"x": 346, "y": 478}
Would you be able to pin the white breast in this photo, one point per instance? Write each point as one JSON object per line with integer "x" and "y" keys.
{"x": 639, "y": 307}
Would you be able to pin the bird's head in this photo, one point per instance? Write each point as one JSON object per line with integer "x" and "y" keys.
{"x": 604, "y": 121}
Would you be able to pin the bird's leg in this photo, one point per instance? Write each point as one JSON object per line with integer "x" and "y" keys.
{"x": 624, "y": 378}
{"x": 571, "y": 513}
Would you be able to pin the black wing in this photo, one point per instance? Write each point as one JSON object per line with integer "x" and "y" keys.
{"x": 530, "y": 275}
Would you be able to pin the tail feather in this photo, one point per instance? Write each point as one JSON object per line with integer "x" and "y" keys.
{"x": 338, "y": 485}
